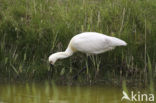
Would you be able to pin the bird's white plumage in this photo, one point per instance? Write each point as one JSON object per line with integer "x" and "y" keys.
{"x": 90, "y": 43}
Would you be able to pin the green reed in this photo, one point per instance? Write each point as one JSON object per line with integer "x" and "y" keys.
{"x": 31, "y": 30}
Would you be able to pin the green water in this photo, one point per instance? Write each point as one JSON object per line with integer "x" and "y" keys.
{"x": 50, "y": 93}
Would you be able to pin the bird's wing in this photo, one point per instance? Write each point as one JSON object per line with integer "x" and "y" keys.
{"x": 91, "y": 43}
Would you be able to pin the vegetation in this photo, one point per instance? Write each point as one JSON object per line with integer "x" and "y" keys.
{"x": 31, "y": 30}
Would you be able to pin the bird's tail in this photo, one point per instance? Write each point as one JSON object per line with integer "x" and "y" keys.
{"x": 118, "y": 42}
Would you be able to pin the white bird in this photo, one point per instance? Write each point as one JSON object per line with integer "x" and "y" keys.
{"x": 88, "y": 42}
{"x": 125, "y": 96}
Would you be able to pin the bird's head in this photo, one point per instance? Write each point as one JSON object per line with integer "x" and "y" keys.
{"x": 52, "y": 59}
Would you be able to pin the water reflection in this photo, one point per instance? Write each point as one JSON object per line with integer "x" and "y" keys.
{"x": 50, "y": 93}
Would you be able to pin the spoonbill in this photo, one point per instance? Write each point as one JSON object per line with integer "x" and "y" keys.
{"x": 89, "y": 43}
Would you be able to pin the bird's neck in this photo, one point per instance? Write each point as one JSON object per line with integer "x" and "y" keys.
{"x": 61, "y": 55}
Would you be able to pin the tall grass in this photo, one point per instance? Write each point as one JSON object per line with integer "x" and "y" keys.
{"x": 31, "y": 30}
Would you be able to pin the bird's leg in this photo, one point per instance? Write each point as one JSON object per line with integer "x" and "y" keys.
{"x": 82, "y": 70}
{"x": 76, "y": 76}
{"x": 87, "y": 67}
{"x": 96, "y": 64}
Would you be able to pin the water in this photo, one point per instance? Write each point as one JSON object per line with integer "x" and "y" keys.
{"x": 50, "y": 93}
